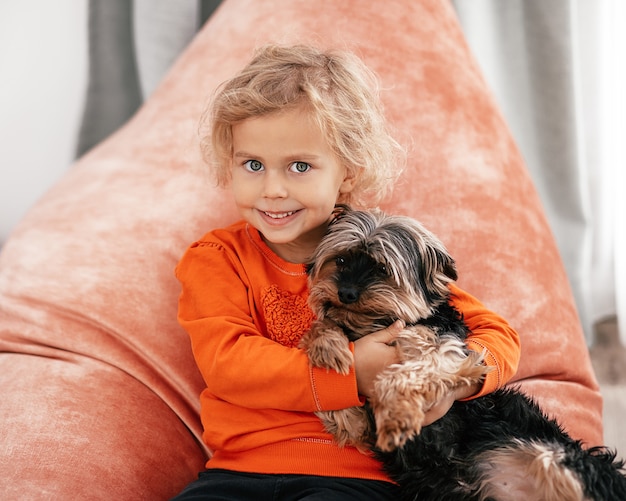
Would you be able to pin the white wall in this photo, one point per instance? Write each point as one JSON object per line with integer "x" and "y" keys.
{"x": 43, "y": 78}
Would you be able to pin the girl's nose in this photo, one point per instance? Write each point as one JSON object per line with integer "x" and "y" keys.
{"x": 274, "y": 185}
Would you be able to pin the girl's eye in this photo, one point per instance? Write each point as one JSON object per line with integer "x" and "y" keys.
{"x": 253, "y": 165}
{"x": 300, "y": 167}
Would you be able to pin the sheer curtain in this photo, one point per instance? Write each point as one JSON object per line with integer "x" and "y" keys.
{"x": 557, "y": 71}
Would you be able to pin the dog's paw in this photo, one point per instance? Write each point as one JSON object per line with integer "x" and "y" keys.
{"x": 339, "y": 361}
{"x": 395, "y": 427}
{"x": 328, "y": 350}
{"x": 349, "y": 427}
{"x": 474, "y": 369}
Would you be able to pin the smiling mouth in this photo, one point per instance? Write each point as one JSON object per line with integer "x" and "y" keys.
{"x": 279, "y": 215}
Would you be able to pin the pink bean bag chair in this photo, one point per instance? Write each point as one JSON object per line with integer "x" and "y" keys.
{"x": 99, "y": 387}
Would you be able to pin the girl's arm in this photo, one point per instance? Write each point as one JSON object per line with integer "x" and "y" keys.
{"x": 490, "y": 334}
{"x": 239, "y": 365}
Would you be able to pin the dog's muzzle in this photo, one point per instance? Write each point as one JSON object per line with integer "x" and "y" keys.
{"x": 348, "y": 295}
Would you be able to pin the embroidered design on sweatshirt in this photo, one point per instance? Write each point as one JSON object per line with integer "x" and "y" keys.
{"x": 287, "y": 316}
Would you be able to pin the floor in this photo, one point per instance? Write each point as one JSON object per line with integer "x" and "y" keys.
{"x": 608, "y": 357}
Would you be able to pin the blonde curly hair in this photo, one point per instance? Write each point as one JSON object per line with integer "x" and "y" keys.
{"x": 342, "y": 94}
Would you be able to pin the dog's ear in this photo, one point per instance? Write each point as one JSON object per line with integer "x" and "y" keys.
{"x": 430, "y": 250}
{"x": 448, "y": 265}
{"x": 438, "y": 266}
{"x": 339, "y": 211}
{"x": 439, "y": 270}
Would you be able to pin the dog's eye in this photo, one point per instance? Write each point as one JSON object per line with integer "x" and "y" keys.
{"x": 340, "y": 261}
{"x": 382, "y": 269}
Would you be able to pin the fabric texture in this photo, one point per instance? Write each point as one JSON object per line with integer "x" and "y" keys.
{"x": 257, "y": 408}
{"x": 100, "y": 389}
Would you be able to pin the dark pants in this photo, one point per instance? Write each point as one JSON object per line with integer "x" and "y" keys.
{"x": 226, "y": 485}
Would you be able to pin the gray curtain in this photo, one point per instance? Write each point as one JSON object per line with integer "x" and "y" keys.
{"x": 132, "y": 44}
{"x": 113, "y": 90}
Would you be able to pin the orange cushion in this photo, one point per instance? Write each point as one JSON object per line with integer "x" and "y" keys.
{"x": 100, "y": 391}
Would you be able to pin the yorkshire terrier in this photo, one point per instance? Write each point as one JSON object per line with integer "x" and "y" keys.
{"x": 372, "y": 269}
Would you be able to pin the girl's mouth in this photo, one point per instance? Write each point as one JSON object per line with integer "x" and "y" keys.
{"x": 278, "y": 218}
{"x": 279, "y": 215}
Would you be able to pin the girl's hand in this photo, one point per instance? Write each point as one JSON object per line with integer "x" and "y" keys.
{"x": 372, "y": 354}
{"x": 442, "y": 407}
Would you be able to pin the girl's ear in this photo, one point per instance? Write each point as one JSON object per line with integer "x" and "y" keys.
{"x": 349, "y": 181}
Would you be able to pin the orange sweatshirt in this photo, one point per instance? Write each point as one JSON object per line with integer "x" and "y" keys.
{"x": 245, "y": 310}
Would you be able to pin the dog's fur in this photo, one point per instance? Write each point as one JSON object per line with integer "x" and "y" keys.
{"x": 372, "y": 269}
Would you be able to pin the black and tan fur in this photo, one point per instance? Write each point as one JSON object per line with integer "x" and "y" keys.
{"x": 372, "y": 269}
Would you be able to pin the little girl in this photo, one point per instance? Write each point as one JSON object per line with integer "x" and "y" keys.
{"x": 297, "y": 131}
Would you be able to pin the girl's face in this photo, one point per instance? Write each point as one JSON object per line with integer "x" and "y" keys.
{"x": 286, "y": 180}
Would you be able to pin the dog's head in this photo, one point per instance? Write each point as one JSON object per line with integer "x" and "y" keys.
{"x": 371, "y": 269}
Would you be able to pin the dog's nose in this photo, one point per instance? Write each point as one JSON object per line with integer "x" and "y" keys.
{"x": 348, "y": 295}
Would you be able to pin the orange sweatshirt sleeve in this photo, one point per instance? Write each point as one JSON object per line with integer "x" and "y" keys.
{"x": 492, "y": 335}
{"x": 239, "y": 364}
